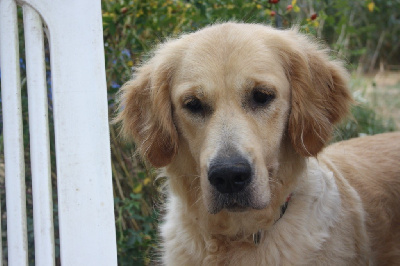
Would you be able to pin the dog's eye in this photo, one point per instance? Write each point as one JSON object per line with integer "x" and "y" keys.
{"x": 262, "y": 97}
{"x": 193, "y": 105}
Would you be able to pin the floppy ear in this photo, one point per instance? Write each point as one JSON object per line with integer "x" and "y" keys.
{"x": 145, "y": 109}
{"x": 320, "y": 97}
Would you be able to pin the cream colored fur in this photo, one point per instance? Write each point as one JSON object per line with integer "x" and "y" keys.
{"x": 196, "y": 100}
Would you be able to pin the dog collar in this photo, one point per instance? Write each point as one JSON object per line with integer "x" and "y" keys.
{"x": 257, "y": 236}
{"x": 284, "y": 206}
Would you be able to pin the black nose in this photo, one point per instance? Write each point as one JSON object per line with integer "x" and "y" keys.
{"x": 230, "y": 175}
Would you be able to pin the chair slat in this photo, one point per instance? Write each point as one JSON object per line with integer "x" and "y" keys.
{"x": 39, "y": 138}
{"x": 13, "y": 137}
{"x": 84, "y": 181}
{"x": 85, "y": 198}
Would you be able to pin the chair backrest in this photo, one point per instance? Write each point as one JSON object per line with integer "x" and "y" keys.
{"x": 84, "y": 183}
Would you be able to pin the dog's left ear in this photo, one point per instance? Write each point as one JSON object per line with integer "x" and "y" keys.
{"x": 320, "y": 97}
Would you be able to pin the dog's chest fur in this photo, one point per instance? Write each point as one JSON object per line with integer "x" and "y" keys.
{"x": 305, "y": 235}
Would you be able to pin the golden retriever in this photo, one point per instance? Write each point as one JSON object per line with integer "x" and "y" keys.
{"x": 237, "y": 116}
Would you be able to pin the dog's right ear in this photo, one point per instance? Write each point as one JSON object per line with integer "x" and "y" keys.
{"x": 145, "y": 109}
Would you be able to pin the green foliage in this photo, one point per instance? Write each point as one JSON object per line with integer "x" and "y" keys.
{"x": 135, "y": 243}
{"x": 134, "y": 198}
{"x": 364, "y": 121}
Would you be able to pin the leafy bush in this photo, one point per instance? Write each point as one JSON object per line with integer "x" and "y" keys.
{"x": 135, "y": 243}
{"x": 363, "y": 120}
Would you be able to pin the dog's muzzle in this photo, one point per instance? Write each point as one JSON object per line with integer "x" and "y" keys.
{"x": 230, "y": 177}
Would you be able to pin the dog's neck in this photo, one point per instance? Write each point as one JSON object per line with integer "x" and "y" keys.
{"x": 257, "y": 236}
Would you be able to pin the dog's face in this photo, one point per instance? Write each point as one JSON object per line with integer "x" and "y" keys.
{"x": 231, "y": 106}
{"x": 234, "y": 100}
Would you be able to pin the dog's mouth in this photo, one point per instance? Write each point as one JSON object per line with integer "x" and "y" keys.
{"x": 234, "y": 202}
{"x": 236, "y": 208}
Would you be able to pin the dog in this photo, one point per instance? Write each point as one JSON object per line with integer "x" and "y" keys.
{"x": 237, "y": 116}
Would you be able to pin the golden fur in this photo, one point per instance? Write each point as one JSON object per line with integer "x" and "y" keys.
{"x": 371, "y": 165}
{"x": 197, "y": 101}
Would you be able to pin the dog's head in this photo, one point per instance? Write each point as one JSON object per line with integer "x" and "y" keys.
{"x": 235, "y": 105}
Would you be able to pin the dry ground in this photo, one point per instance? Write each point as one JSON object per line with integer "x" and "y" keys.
{"x": 382, "y": 90}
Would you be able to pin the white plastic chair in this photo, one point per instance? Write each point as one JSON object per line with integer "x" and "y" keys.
{"x": 85, "y": 199}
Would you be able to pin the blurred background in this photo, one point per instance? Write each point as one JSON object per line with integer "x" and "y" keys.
{"x": 363, "y": 33}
